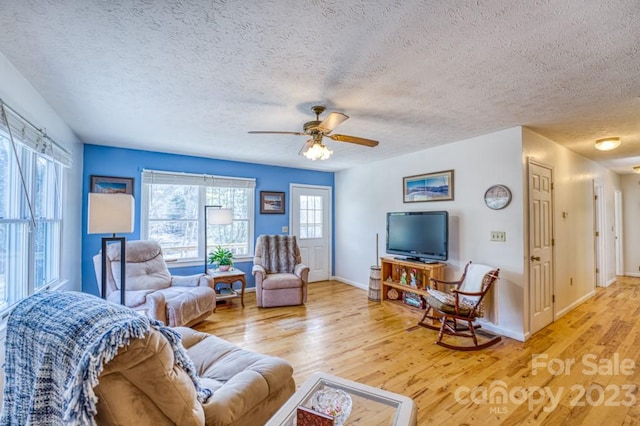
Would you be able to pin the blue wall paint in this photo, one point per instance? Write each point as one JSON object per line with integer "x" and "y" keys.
{"x": 108, "y": 161}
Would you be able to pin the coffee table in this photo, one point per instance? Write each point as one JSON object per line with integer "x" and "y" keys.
{"x": 370, "y": 406}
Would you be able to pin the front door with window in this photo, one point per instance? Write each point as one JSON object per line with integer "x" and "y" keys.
{"x": 311, "y": 224}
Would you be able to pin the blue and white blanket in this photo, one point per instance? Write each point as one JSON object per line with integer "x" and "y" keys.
{"x": 57, "y": 344}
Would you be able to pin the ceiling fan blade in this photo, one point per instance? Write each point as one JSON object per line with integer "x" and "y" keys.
{"x": 352, "y": 139}
{"x": 308, "y": 144}
{"x": 331, "y": 121}
{"x": 276, "y": 133}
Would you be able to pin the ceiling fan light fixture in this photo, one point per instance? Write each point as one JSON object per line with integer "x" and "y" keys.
{"x": 607, "y": 144}
{"x": 318, "y": 152}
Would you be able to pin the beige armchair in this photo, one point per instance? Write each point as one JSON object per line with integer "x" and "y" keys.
{"x": 281, "y": 277}
{"x": 149, "y": 287}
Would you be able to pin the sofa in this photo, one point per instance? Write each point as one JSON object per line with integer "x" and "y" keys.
{"x": 137, "y": 388}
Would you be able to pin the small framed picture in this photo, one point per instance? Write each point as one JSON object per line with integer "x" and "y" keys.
{"x": 436, "y": 186}
{"x": 111, "y": 185}
{"x": 271, "y": 202}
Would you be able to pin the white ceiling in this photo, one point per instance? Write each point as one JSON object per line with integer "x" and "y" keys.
{"x": 192, "y": 77}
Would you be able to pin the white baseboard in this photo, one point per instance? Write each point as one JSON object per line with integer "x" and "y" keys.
{"x": 611, "y": 281}
{"x": 632, "y": 274}
{"x": 503, "y": 332}
{"x": 574, "y": 305}
{"x": 352, "y": 283}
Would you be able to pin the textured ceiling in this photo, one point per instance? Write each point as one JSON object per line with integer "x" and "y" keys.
{"x": 193, "y": 77}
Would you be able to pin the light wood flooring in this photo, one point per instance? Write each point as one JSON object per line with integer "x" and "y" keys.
{"x": 341, "y": 332}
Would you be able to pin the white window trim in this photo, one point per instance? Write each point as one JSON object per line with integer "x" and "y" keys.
{"x": 203, "y": 180}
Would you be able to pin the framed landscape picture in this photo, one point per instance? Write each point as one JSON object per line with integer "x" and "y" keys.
{"x": 271, "y": 202}
{"x": 111, "y": 185}
{"x": 436, "y": 186}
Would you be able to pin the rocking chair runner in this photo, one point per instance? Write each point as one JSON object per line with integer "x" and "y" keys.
{"x": 463, "y": 304}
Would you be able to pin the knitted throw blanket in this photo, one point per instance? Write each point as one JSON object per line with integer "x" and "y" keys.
{"x": 56, "y": 347}
{"x": 279, "y": 253}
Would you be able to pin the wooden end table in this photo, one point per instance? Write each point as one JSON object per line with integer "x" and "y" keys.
{"x": 228, "y": 278}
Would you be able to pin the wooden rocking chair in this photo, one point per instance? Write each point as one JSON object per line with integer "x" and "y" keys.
{"x": 457, "y": 311}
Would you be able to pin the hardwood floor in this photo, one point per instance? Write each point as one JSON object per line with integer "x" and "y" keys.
{"x": 584, "y": 374}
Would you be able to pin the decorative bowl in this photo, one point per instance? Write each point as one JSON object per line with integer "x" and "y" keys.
{"x": 334, "y": 402}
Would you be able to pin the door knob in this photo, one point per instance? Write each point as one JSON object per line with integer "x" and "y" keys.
{"x": 535, "y": 258}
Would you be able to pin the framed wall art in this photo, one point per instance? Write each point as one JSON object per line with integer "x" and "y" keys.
{"x": 271, "y": 202}
{"x": 436, "y": 186}
{"x": 111, "y": 185}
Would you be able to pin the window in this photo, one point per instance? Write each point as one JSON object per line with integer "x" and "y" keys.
{"x": 31, "y": 179}
{"x": 310, "y": 216}
{"x": 173, "y": 213}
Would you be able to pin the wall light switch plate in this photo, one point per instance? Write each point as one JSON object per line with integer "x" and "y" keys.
{"x": 498, "y": 236}
{"x": 285, "y": 229}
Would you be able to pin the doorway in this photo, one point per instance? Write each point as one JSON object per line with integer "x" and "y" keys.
{"x": 541, "y": 268}
{"x": 311, "y": 224}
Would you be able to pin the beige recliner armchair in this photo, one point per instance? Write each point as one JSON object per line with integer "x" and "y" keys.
{"x": 281, "y": 277}
{"x": 149, "y": 287}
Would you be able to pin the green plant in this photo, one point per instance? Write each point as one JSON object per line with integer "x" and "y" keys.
{"x": 221, "y": 256}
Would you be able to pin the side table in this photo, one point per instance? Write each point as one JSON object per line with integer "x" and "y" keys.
{"x": 228, "y": 277}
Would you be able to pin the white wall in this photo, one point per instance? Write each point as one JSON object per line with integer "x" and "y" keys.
{"x": 18, "y": 93}
{"x": 365, "y": 194}
{"x": 630, "y": 223}
{"x": 574, "y": 251}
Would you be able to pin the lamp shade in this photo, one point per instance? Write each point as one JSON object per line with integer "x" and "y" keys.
{"x": 110, "y": 213}
{"x": 219, "y": 216}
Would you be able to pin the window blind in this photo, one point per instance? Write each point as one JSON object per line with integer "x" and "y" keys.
{"x": 30, "y": 136}
{"x": 174, "y": 178}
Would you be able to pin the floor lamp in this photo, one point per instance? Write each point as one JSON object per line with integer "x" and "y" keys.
{"x": 214, "y": 215}
{"x": 111, "y": 214}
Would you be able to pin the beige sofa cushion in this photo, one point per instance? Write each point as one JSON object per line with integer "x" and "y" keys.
{"x": 240, "y": 380}
{"x": 143, "y": 386}
{"x": 146, "y": 268}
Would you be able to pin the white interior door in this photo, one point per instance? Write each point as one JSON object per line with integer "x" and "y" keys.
{"x": 540, "y": 246}
{"x": 311, "y": 224}
{"x": 599, "y": 233}
{"x": 618, "y": 230}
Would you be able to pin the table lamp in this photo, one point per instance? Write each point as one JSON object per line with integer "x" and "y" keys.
{"x": 111, "y": 214}
{"x": 217, "y": 216}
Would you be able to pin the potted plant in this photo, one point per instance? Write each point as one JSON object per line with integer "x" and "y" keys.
{"x": 223, "y": 257}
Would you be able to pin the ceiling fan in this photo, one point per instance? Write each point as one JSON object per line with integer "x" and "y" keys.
{"x": 314, "y": 148}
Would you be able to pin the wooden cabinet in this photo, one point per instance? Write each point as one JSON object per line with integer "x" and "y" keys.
{"x": 391, "y": 277}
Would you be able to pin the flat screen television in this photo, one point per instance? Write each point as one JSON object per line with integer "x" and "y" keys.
{"x": 421, "y": 236}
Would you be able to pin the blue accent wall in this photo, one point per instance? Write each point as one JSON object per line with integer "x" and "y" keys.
{"x": 120, "y": 162}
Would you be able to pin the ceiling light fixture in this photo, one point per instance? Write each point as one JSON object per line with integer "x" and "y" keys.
{"x": 636, "y": 169}
{"x": 607, "y": 144}
{"x": 318, "y": 152}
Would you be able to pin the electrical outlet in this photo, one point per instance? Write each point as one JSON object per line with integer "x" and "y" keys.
{"x": 285, "y": 229}
{"x": 500, "y": 236}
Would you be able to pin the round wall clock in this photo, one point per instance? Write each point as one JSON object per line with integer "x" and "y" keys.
{"x": 497, "y": 197}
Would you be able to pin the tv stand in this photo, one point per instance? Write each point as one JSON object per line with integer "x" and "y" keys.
{"x": 391, "y": 273}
